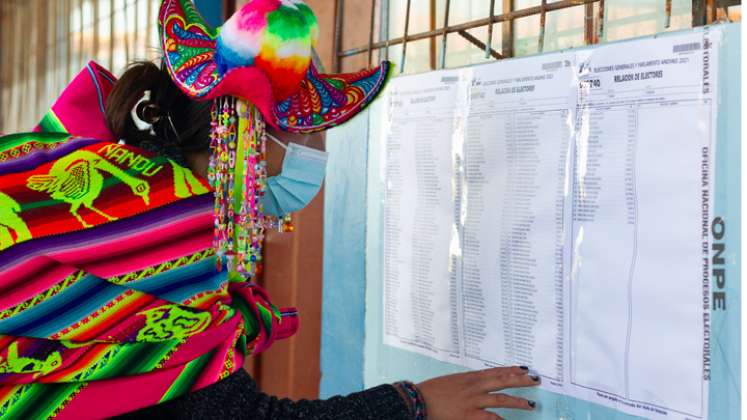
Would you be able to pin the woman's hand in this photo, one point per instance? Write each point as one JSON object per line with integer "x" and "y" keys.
{"x": 465, "y": 396}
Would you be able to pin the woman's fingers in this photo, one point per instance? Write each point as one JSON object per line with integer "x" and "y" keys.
{"x": 503, "y": 371}
{"x": 513, "y": 381}
{"x": 505, "y": 401}
{"x": 468, "y": 395}
{"x": 507, "y": 378}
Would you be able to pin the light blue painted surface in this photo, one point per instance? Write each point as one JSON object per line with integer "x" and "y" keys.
{"x": 211, "y": 10}
{"x": 382, "y": 364}
{"x": 344, "y": 259}
{"x": 725, "y": 326}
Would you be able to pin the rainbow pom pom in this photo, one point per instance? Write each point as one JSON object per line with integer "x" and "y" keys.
{"x": 275, "y": 36}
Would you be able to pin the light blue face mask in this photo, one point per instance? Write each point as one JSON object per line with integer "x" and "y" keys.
{"x": 298, "y": 182}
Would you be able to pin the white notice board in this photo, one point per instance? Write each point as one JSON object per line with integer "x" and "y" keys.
{"x": 555, "y": 212}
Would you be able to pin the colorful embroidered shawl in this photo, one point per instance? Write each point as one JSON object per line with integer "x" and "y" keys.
{"x": 110, "y": 299}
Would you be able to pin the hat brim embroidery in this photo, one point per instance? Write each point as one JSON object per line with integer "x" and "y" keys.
{"x": 322, "y": 101}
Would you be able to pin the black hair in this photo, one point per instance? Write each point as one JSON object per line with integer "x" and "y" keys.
{"x": 181, "y": 125}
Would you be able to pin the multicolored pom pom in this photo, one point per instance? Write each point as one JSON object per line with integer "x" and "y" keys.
{"x": 275, "y": 36}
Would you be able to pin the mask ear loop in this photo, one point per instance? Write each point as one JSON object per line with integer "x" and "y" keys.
{"x": 285, "y": 225}
{"x": 276, "y": 140}
{"x": 285, "y": 146}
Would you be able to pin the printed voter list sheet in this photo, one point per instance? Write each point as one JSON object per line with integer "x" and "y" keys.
{"x": 516, "y": 176}
{"x": 641, "y": 211}
{"x": 554, "y": 212}
{"x": 419, "y": 217}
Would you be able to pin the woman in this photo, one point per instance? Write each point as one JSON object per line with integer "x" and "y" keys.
{"x": 117, "y": 301}
{"x": 462, "y": 396}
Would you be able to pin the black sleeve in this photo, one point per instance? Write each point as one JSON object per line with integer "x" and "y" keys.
{"x": 237, "y": 397}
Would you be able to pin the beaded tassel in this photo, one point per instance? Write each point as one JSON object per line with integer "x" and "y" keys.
{"x": 246, "y": 127}
{"x": 216, "y": 177}
{"x": 212, "y": 175}
{"x": 238, "y": 132}
{"x": 260, "y": 166}
{"x": 252, "y": 218}
{"x": 231, "y": 178}
{"x": 220, "y": 176}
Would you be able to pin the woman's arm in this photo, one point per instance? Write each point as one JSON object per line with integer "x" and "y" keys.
{"x": 382, "y": 402}
{"x": 237, "y": 397}
{"x": 463, "y": 396}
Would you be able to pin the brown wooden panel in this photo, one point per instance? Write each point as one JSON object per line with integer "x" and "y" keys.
{"x": 325, "y": 15}
{"x": 294, "y": 277}
{"x": 355, "y": 31}
{"x": 229, "y": 6}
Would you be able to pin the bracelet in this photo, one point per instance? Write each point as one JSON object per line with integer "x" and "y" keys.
{"x": 415, "y": 400}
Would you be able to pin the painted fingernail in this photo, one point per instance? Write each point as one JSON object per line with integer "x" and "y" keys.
{"x": 535, "y": 378}
{"x": 532, "y": 404}
{"x": 524, "y": 368}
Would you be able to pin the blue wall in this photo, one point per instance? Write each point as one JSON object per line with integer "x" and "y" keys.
{"x": 344, "y": 259}
{"x": 211, "y": 10}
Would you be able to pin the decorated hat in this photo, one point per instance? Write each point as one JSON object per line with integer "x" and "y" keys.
{"x": 263, "y": 54}
{"x": 257, "y": 68}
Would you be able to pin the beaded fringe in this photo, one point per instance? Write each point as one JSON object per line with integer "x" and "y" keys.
{"x": 238, "y": 174}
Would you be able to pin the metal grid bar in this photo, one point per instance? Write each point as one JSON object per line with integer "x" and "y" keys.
{"x": 703, "y": 12}
{"x": 543, "y": 20}
{"x": 489, "y": 43}
{"x": 339, "y": 13}
{"x": 600, "y": 20}
{"x": 481, "y": 45}
{"x": 508, "y": 30}
{"x": 505, "y": 17}
{"x": 371, "y": 32}
{"x": 446, "y": 24}
{"x": 432, "y": 21}
{"x": 589, "y": 24}
{"x": 404, "y": 39}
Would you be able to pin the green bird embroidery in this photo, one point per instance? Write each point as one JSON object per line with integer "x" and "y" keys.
{"x": 76, "y": 179}
{"x": 10, "y": 220}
